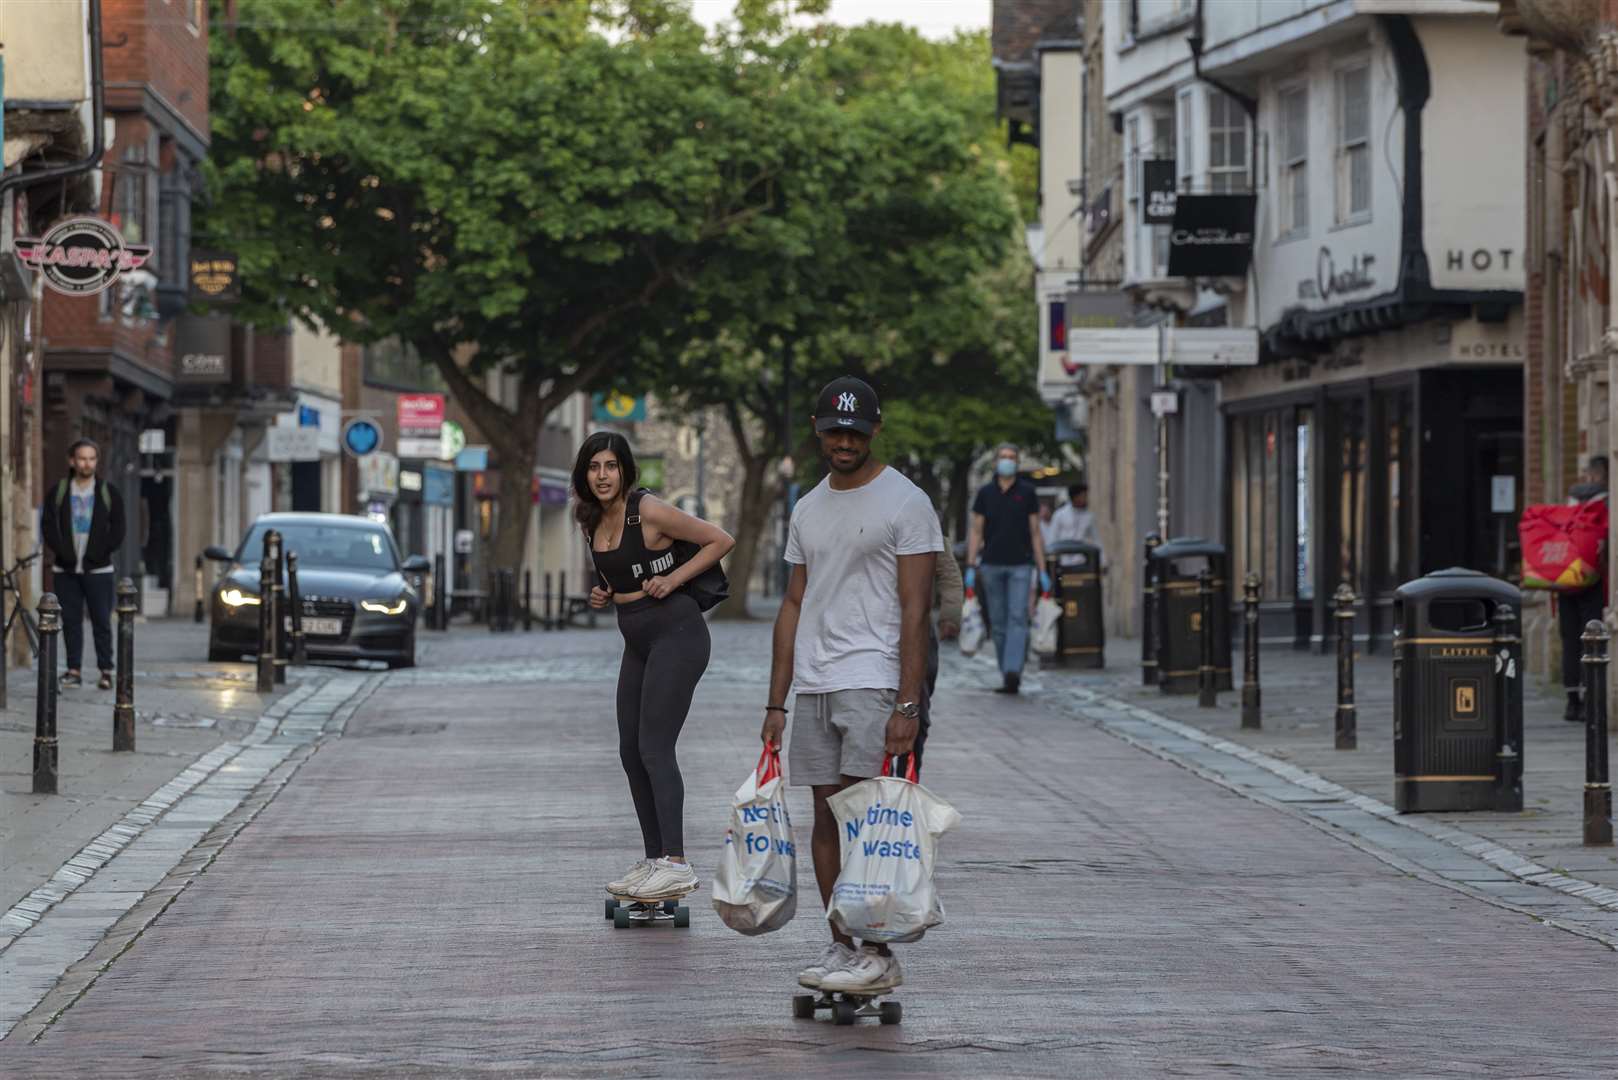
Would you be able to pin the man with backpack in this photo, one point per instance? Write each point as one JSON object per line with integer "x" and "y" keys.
{"x": 82, "y": 524}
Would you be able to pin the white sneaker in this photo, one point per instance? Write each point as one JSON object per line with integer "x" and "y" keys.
{"x": 630, "y": 879}
{"x": 836, "y": 956}
{"x": 665, "y": 879}
{"x": 867, "y": 973}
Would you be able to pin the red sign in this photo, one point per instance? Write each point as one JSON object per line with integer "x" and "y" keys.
{"x": 421, "y": 411}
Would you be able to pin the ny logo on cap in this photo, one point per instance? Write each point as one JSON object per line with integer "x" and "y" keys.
{"x": 845, "y": 402}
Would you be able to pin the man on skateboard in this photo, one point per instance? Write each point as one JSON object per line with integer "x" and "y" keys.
{"x": 851, "y": 640}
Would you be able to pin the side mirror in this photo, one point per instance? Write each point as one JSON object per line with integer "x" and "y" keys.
{"x": 416, "y": 564}
{"x": 217, "y": 553}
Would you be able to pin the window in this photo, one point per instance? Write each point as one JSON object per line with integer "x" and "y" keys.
{"x": 1228, "y": 171}
{"x": 1261, "y": 461}
{"x": 193, "y": 13}
{"x": 1162, "y": 146}
{"x": 1294, "y": 160}
{"x": 129, "y": 208}
{"x": 1185, "y": 167}
{"x": 1353, "y": 143}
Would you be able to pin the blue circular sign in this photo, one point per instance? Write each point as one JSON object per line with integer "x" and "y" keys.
{"x": 360, "y": 437}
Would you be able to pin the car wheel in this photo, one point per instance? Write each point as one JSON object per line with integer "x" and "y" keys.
{"x": 408, "y": 660}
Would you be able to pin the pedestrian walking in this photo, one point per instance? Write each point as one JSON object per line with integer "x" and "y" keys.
{"x": 1575, "y": 609}
{"x": 641, "y": 572}
{"x": 851, "y": 641}
{"x": 82, "y": 524}
{"x": 1006, "y": 538}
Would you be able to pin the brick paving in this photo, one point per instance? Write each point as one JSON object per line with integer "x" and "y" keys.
{"x": 422, "y": 899}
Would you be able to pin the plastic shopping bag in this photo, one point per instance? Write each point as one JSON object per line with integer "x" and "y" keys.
{"x": 1561, "y": 545}
{"x": 1047, "y": 614}
{"x": 971, "y": 636}
{"x": 755, "y": 887}
{"x": 889, "y": 827}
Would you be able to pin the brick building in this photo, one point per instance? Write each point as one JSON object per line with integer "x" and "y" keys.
{"x": 109, "y": 359}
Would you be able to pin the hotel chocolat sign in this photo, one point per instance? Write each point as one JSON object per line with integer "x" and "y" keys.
{"x": 82, "y": 256}
{"x": 1333, "y": 279}
{"x": 1212, "y": 235}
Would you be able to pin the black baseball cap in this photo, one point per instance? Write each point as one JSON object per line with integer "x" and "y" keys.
{"x": 847, "y": 403}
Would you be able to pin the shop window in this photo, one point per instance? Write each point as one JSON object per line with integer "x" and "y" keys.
{"x": 1349, "y": 417}
{"x": 1261, "y": 461}
{"x": 1294, "y": 160}
{"x": 1303, "y": 512}
{"x": 1353, "y": 143}
{"x": 129, "y": 208}
{"x": 1394, "y": 410}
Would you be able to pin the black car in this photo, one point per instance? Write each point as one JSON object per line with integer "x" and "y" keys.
{"x": 358, "y": 599}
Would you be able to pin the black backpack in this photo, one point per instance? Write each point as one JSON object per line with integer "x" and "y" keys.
{"x": 708, "y": 588}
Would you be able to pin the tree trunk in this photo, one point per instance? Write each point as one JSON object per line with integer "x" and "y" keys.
{"x": 959, "y": 476}
{"x": 516, "y": 503}
{"x": 750, "y": 521}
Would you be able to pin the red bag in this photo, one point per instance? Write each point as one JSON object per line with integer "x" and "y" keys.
{"x": 1562, "y": 545}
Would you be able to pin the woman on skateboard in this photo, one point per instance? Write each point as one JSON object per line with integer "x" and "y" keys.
{"x": 641, "y": 571}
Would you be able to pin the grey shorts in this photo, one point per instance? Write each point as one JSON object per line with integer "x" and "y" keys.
{"x": 839, "y": 734}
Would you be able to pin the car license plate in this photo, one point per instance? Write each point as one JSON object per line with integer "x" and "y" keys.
{"x": 314, "y": 626}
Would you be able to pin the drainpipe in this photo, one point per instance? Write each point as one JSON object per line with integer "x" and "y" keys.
{"x": 97, "y": 128}
{"x": 1249, "y": 105}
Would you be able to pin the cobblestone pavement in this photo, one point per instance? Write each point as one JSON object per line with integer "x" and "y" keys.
{"x": 422, "y": 898}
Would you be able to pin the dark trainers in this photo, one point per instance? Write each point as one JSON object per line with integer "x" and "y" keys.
{"x": 105, "y": 682}
{"x": 70, "y": 678}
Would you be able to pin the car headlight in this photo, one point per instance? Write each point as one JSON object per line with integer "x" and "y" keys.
{"x": 382, "y": 607}
{"x": 234, "y": 597}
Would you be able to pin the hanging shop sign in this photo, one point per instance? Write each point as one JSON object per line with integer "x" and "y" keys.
{"x": 437, "y": 486}
{"x": 1212, "y": 235}
{"x": 202, "y": 349}
{"x": 454, "y": 439}
{"x": 1157, "y": 181}
{"x": 421, "y": 425}
{"x": 214, "y": 276}
{"x": 290, "y": 442}
{"x": 616, "y": 407}
{"x": 82, "y": 256}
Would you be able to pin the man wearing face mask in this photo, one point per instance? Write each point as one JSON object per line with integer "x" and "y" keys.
{"x": 1005, "y": 532}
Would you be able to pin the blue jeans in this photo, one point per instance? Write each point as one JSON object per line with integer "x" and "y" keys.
{"x": 1005, "y": 593}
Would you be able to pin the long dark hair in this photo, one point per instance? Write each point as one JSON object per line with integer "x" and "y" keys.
{"x": 587, "y": 509}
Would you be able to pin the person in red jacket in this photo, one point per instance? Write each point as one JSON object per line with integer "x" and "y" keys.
{"x": 1575, "y": 609}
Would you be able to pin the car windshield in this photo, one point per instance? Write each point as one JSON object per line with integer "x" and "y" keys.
{"x": 325, "y": 545}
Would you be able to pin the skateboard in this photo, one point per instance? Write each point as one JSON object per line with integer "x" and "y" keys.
{"x": 626, "y": 911}
{"x": 847, "y": 1007}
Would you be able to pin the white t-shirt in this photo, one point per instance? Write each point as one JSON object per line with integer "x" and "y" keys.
{"x": 849, "y": 543}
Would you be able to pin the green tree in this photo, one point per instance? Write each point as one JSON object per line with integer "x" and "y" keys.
{"x": 523, "y": 188}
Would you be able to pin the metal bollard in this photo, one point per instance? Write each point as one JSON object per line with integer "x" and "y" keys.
{"x": 280, "y": 620}
{"x": 1207, "y": 688}
{"x": 123, "y": 708}
{"x": 1148, "y": 616}
{"x": 527, "y": 600}
{"x": 300, "y": 654}
{"x": 1597, "y": 783}
{"x": 1347, "y": 722}
{"x": 1252, "y": 717}
{"x": 266, "y": 616}
{"x": 1508, "y": 692}
{"x": 561, "y": 599}
{"x": 440, "y": 612}
{"x": 546, "y": 621}
{"x": 202, "y": 590}
{"x": 50, "y": 627}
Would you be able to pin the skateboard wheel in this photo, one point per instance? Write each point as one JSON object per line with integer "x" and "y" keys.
{"x": 612, "y": 905}
{"x": 842, "y": 1012}
{"x": 803, "y": 1006}
{"x": 620, "y": 919}
{"x": 682, "y": 916}
{"x": 670, "y": 905}
{"x": 890, "y": 1012}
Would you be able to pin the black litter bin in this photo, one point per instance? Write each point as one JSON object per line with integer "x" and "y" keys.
{"x": 1457, "y": 694}
{"x": 1075, "y": 570}
{"x": 1175, "y": 565}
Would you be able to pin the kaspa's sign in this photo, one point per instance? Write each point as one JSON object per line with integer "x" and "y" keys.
{"x": 82, "y": 256}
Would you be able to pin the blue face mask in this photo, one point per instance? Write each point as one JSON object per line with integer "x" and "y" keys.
{"x": 1005, "y": 467}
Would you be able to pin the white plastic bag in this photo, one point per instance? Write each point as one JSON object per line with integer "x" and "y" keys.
{"x": 1047, "y": 614}
{"x": 971, "y": 636}
{"x": 755, "y": 886}
{"x": 889, "y": 828}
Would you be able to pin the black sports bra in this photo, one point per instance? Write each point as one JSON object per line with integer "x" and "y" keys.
{"x": 626, "y": 567}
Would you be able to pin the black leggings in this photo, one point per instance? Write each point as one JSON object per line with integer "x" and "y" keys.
{"x": 665, "y": 653}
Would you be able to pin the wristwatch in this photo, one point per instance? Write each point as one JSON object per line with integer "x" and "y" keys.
{"x": 910, "y": 710}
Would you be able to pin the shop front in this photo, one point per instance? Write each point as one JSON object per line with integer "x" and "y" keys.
{"x": 1389, "y": 457}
